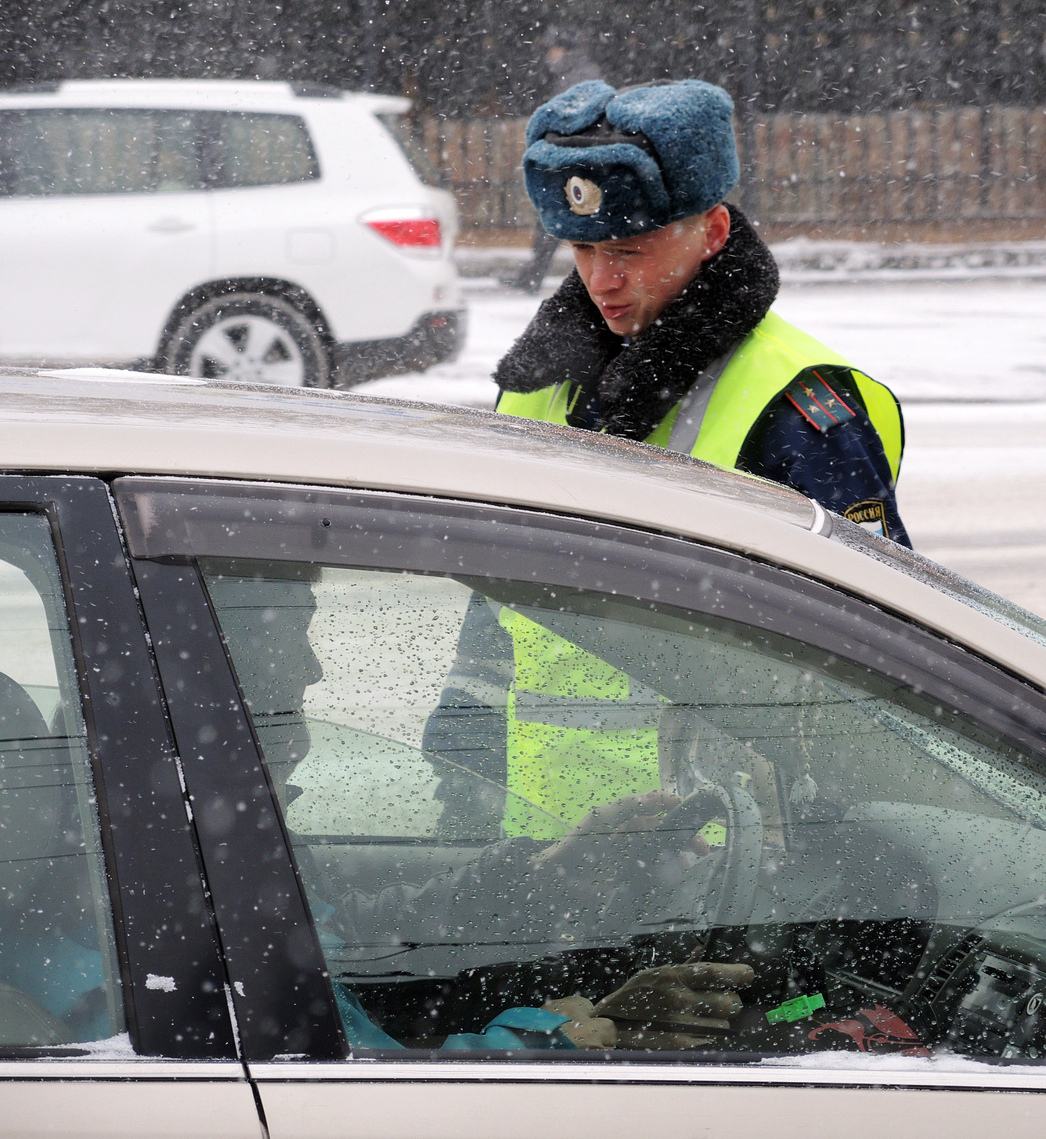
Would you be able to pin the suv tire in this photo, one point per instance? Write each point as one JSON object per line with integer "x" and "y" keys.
{"x": 249, "y": 338}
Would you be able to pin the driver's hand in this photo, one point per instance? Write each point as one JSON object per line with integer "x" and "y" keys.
{"x": 666, "y": 1008}
{"x": 635, "y": 813}
{"x": 585, "y": 1029}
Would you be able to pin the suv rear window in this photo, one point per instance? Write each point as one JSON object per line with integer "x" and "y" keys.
{"x": 114, "y": 151}
{"x": 413, "y": 150}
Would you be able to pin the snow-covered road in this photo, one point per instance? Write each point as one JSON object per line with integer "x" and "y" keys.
{"x": 968, "y": 360}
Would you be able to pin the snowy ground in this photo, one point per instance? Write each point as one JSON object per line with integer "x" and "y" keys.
{"x": 966, "y": 357}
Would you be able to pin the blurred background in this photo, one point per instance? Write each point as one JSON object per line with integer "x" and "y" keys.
{"x": 893, "y": 154}
{"x": 878, "y": 120}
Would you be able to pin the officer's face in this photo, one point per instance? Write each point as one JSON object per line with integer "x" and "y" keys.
{"x": 632, "y": 280}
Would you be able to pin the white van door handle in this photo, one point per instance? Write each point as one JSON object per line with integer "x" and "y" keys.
{"x": 171, "y": 225}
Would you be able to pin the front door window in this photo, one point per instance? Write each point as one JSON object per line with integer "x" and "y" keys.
{"x": 505, "y": 798}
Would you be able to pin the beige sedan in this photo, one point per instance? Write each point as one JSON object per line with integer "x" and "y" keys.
{"x": 377, "y": 769}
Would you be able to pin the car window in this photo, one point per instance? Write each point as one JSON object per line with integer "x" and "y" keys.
{"x": 113, "y": 151}
{"x": 402, "y": 132}
{"x": 914, "y": 564}
{"x": 98, "y": 151}
{"x": 455, "y": 758}
{"x": 257, "y": 149}
{"x": 58, "y": 978}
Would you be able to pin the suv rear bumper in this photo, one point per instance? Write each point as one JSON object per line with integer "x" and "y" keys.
{"x": 435, "y": 337}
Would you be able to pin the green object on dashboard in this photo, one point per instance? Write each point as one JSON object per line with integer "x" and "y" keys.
{"x": 798, "y": 1008}
{"x": 714, "y": 834}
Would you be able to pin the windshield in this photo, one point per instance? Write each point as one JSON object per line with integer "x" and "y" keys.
{"x": 913, "y": 564}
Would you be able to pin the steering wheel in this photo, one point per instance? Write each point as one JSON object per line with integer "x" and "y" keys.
{"x": 730, "y": 900}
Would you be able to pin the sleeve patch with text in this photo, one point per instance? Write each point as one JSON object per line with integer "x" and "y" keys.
{"x": 871, "y": 514}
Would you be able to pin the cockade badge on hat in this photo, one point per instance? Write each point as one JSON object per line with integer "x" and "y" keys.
{"x": 584, "y": 197}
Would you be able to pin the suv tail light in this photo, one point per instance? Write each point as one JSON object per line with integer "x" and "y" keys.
{"x": 409, "y": 228}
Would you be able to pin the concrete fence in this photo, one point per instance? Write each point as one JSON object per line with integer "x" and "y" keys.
{"x": 947, "y": 168}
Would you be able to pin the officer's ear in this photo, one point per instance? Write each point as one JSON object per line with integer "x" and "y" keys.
{"x": 717, "y": 230}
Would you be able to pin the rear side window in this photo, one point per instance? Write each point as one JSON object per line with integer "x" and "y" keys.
{"x": 98, "y": 151}
{"x": 57, "y": 152}
{"x": 257, "y": 150}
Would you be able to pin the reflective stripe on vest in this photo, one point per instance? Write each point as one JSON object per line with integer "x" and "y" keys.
{"x": 760, "y": 369}
{"x": 579, "y": 732}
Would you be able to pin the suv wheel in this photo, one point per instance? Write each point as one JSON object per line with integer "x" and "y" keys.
{"x": 250, "y": 338}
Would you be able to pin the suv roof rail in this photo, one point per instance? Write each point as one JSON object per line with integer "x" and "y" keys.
{"x": 37, "y": 87}
{"x": 315, "y": 91}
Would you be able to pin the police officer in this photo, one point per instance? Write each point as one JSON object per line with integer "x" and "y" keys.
{"x": 665, "y": 333}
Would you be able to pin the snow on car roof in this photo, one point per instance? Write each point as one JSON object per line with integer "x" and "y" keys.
{"x": 94, "y": 420}
{"x": 194, "y": 427}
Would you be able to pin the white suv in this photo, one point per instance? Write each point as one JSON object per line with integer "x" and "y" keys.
{"x": 252, "y": 231}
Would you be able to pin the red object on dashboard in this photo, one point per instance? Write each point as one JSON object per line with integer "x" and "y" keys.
{"x": 877, "y": 1029}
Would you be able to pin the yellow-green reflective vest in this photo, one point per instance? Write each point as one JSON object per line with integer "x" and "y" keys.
{"x": 764, "y": 364}
{"x": 577, "y": 735}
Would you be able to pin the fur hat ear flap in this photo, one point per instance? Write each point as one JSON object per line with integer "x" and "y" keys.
{"x": 601, "y": 164}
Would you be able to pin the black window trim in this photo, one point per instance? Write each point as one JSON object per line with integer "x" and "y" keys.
{"x": 163, "y": 923}
{"x": 790, "y": 604}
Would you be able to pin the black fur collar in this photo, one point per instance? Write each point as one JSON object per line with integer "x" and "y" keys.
{"x": 638, "y": 384}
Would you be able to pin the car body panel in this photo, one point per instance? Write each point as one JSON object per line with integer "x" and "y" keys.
{"x": 106, "y": 1098}
{"x": 154, "y": 426}
{"x": 154, "y": 247}
{"x": 437, "y": 1102}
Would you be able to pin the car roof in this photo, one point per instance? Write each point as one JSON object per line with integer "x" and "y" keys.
{"x": 233, "y": 94}
{"x": 110, "y": 422}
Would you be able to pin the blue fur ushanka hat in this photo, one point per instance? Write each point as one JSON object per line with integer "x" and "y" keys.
{"x": 601, "y": 164}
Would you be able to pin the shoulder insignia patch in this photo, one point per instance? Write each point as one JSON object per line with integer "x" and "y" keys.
{"x": 871, "y": 514}
{"x": 816, "y": 401}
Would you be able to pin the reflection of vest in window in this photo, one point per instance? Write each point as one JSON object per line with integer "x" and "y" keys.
{"x": 577, "y": 734}
{"x": 580, "y": 733}
{"x": 764, "y": 364}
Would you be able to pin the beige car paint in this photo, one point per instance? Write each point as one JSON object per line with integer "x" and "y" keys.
{"x": 93, "y": 420}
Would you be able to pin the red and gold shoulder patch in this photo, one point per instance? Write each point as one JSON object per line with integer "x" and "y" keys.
{"x": 819, "y": 404}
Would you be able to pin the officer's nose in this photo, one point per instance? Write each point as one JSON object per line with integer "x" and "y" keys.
{"x": 606, "y": 273}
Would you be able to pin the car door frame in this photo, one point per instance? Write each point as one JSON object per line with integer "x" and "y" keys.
{"x": 306, "y": 1095}
{"x": 174, "y": 983}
